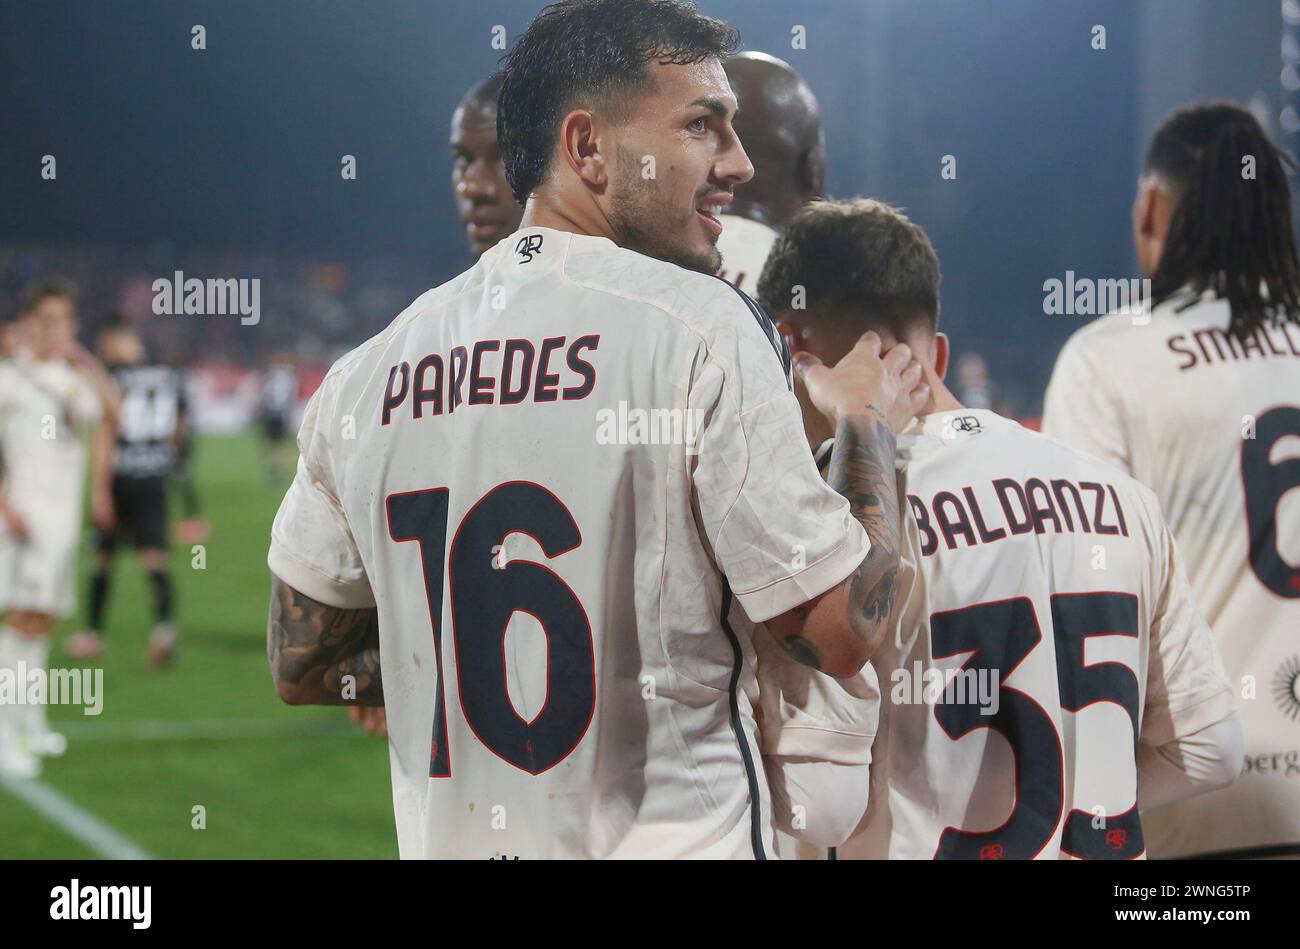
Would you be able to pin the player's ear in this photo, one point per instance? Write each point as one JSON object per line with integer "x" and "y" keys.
{"x": 1144, "y": 208}
{"x": 812, "y": 171}
{"x": 581, "y": 148}
{"x": 793, "y": 339}
{"x": 941, "y": 354}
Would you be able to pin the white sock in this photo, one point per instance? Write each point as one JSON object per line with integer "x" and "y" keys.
{"x": 35, "y": 651}
{"x": 9, "y": 714}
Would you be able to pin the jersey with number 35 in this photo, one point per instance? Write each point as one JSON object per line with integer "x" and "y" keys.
{"x": 1046, "y": 629}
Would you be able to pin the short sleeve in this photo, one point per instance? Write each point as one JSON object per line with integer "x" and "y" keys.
{"x": 780, "y": 535}
{"x": 1083, "y": 405}
{"x": 1188, "y": 688}
{"x": 804, "y": 713}
{"x": 312, "y": 546}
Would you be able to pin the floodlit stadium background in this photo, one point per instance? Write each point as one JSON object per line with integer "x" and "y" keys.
{"x": 225, "y": 162}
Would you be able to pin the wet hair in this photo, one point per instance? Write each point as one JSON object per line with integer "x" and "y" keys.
{"x": 858, "y": 261}
{"x": 593, "y": 54}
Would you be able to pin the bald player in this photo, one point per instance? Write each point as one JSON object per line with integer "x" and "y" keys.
{"x": 780, "y": 124}
{"x": 478, "y": 178}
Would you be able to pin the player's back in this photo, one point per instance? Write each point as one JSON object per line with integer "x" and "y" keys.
{"x": 1043, "y": 630}
{"x": 152, "y": 399}
{"x": 1212, "y": 424}
{"x": 530, "y": 463}
{"x": 46, "y": 408}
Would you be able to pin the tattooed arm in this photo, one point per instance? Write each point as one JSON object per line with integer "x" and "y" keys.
{"x": 311, "y": 647}
{"x": 868, "y": 398}
{"x": 863, "y": 471}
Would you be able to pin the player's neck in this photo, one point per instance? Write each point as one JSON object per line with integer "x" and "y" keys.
{"x": 555, "y": 212}
{"x": 941, "y": 399}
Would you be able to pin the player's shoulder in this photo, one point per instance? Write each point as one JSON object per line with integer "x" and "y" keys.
{"x": 358, "y": 363}
{"x": 701, "y": 303}
{"x": 1106, "y": 335}
{"x": 1128, "y": 335}
{"x": 1065, "y": 457}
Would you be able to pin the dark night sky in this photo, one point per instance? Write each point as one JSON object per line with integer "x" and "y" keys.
{"x": 239, "y": 145}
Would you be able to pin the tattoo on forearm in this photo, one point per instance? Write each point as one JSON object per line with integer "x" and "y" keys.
{"x": 313, "y": 646}
{"x": 862, "y": 469}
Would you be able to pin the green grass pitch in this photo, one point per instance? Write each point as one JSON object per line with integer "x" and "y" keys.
{"x": 273, "y": 781}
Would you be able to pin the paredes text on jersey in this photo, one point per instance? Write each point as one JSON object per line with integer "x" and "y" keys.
{"x": 499, "y": 372}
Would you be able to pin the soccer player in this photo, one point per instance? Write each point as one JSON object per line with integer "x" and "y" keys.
{"x": 478, "y": 177}
{"x": 780, "y": 123}
{"x": 1198, "y": 397}
{"x": 555, "y": 604}
{"x": 1049, "y": 670}
{"x": 52, "y": 394}
{"x": 129, "y": 494}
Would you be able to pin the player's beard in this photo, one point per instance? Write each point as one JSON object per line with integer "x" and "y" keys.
{"x": 648, "y": 224}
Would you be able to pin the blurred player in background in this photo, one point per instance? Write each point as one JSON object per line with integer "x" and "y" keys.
{"x": 279, "y": 400}
{"x": 1098, "y": 676}
{"x": 53, "y": 393}
{"x": 478, "y": 178}
{"x": 654, "y": 561}
{"x": 780, "y": 123}
{"x": 1199, "y": 398}
{"x": 129, "y": 494}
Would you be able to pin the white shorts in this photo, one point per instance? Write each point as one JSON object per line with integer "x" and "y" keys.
{"x": 37, "y": 577}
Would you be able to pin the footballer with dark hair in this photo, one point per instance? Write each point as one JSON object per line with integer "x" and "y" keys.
{"x": 53, "y": 396}
{"x": 129, "y": 486}
{"x": 483, "y": 538}
{"x": 1115, "y": 696}
{"x": 478, "y": 177}
{"x": 1197, "y": 395}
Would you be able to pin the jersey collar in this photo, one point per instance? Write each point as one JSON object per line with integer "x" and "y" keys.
{"x": 958, "y": 425}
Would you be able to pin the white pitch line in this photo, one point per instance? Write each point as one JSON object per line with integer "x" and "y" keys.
{"x": 81, "y": 825}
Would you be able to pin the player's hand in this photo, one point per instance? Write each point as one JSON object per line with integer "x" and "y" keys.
{"x": 102, "y": 511}
{"x": 14, "y": 523}
{"x": 374, "y": 719}
{"x": 864, "y": 381}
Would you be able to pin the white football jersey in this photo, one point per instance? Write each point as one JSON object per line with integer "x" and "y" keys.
{"x": 570, "y": 480}
{"x": 46, "y": 410}
{"x": 1212, "y": 425}
{"x": 1046, "y": 628}
{"x": 744, "y": 245}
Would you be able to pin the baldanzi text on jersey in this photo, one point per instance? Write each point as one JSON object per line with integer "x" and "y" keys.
{"x": 1027, "y": 507}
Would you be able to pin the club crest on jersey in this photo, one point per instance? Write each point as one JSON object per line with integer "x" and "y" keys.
{"x": 1286, "y": 688}
{"x": 528, "y": 245}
